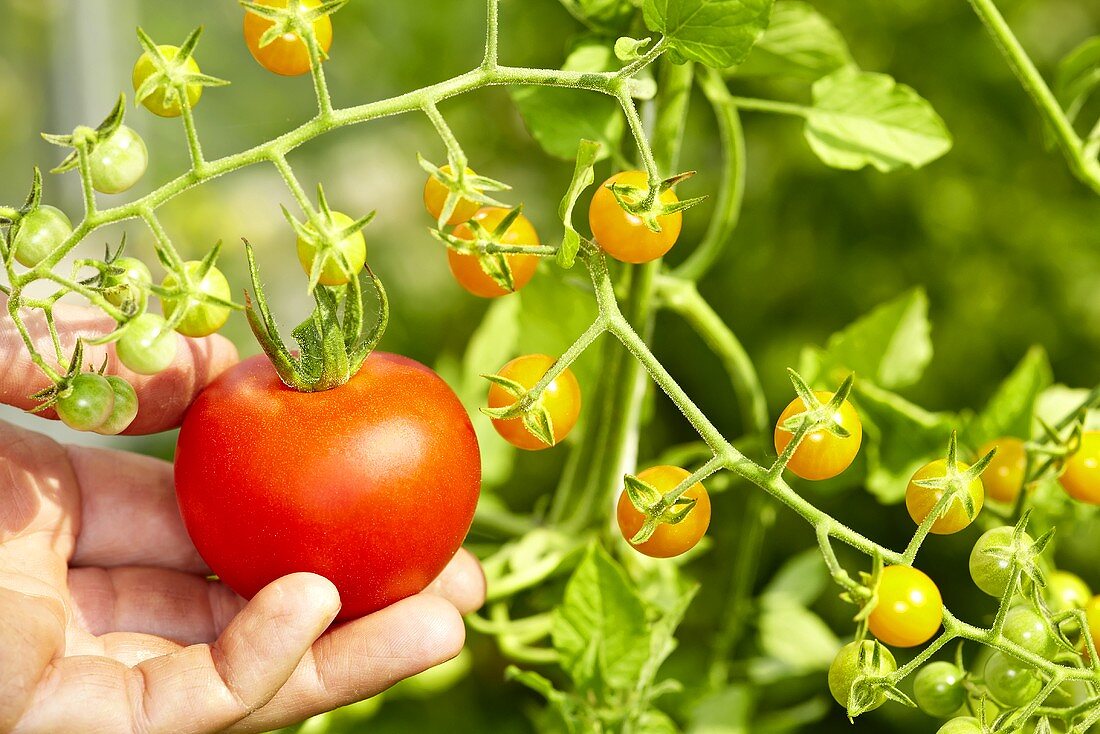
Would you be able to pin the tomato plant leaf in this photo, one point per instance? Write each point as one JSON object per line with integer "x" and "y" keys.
{"x": 901, "y": 438}
{"x": 861, "y": 118}
{"x": 557, "y": 118}
{"x": 583, "y": 177}
{"x": 794, "y": 635}
{"x": 800, "y": 580}
{"x": 607, "y": 17}
{"x": 799, "y": 43}
{"x": 1011, "y": 410}
{"x": 600, "y": 628}
{"x": 1078, "y": 76}
{"x": 717, "y": 33}
{"x": 890, "y": 346}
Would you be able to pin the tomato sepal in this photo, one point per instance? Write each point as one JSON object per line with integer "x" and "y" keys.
{"x": 325, "y": 242}
{"x": 461, "y": 185}
{"x": 332, "y": 348}
{"x": 657, "y": 508}
{"x": 534, "y": 414}
{"x": 171, "y": 75}
{"x": 292, "y": 19}
{"x": 646, "y": 204}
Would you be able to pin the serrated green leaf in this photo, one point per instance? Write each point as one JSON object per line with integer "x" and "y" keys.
{"x": 717, "y": 33}
{"x": 799, "y": 43}
{"x": 901, "y": 437}
{"x": 890, "y": 346}
{"x": 862, "y": 118}
{"x": 1012, "y": 408}
{"x": 600, "y": 628}
{"x": 558, "y": 118}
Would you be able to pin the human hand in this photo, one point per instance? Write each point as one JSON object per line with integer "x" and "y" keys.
{"x": 107, "y": 620}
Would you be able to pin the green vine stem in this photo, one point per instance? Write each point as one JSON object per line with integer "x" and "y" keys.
{"x": 1079, "y": 156}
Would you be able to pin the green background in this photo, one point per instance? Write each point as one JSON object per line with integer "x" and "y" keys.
{"x": 1005, "y": 242}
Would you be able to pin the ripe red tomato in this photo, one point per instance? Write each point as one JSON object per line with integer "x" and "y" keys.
{"x": 371, "y": 484}
{"x": 287, "y": 55}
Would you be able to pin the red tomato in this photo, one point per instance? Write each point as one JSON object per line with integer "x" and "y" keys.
{"x": 371, "y": 484}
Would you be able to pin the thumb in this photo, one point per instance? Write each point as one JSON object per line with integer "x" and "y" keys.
{"x": 162, "y": 398}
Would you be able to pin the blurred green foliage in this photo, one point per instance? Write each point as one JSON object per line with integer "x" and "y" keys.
{"x": 1003, "y": 240}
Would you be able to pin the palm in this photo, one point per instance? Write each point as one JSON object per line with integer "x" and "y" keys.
{"x": 107, "y": 619}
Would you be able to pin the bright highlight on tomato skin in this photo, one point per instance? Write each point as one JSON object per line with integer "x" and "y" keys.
{"x": 467, "y": 270}
{"x": 667, "y": 540}
{"x": 821, "y": 455}
{"x": 562, "y": 397}
{"x": 1081, "y": 478}
{"x": 371, "y": 484}
{"x": 909, "y": 609}
{"x": 624, "y": 236}
{"x": 287, "y": 55}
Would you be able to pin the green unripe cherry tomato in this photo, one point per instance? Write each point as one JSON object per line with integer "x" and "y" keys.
{"x": 155, "y": 102}
{"x": 992, "y": 574}
{"x": 87, "y": 402}
{"x": 962, "y": 725}
{"x": 129, "y": 285}
{"x": 1025, "y": 627}
{"x": 847, "y": 666}
{"x": 1066, "y": 591}
{"x": 353, "y": 248}
{"x": 124, "y": 410}
{"x": 39, "y": 233}
{"x": 938, "y": 689}
{"x": 118, "y": 162}
{"x": 199, "y": 319}
{"x": 1010, "y": 681}
{"x": 148, "y": 345}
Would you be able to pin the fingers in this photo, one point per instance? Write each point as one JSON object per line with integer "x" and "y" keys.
{"x": 32, "y": 631}
{"x": 163, "y": 397}
{"x": 129, "y": 515}
{"x": 236, "y": 675}
{"x": 177, "y": 606}
{"x": 361, "y": 658}
{"x": 462, "y": 583}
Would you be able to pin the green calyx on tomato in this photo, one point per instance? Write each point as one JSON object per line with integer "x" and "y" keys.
{"x": 452, "y": 198}
{"x": 275, "y": 32}
{"x": 948, "y": 491}
{"x": 164, "y": 76}
{"x": 331, "y": 248}
{"x": 198, "y": 304}
{"x": 35, "y": 229}
{"x": 114, "y": 154}
{"x": 658, "y": 521}
{"x": 333, "y": 343}
{"x": 854, "y": 672}
{"x": 530, "y": 420}
{"x": 124, "y": 281}
{"x": 1001, "y": 550}
{"x": 827, "y": 426}
{"x": 475, "y": 257}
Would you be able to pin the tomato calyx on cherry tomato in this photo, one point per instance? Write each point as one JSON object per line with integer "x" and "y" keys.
{"x": 661, "y": 513}
{"x": 857, "y": 676}
{"x": 167, "y": 79}
{"x": 114, "y": 154}
{"x": 331, "y": 248}
{"x": 1002, "y": 551}
{"x": 35, "y": 229}
{"x": 528, "y": 418}
{"x": 819, "y": 433}
{"x": 333, "y": 342}
{"x": 636, "y": 220}
{"x": 90, "y": 401}
{"x": 453, "y": 198}
{"x": 124, "y": 281}
{"x": 484, "y": 253}
{"x": 947, "y": 493}
{"x": 286, "y": 38}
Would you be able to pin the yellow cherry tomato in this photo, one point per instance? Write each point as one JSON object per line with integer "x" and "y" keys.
{"x": 821, "y": 455}
{"x": 1081, "y": 478}
{"x": 562, "y": 397}
{"x": 624, "y": 236}
{"x": 288, "y": 54}
{"x": 435, "y": 195}
{"x": 667, "y": 540}
{"x": 921, "y": 500}
{"x": 1004, "y": 477}
{"x": 155, "y": 102}
{"x": 353, "y": 248}
{"x": 909, "y": 609}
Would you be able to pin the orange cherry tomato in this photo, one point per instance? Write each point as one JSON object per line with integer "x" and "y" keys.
{"x": 562, "y": 397}
{"x": 921, "y": 500}
{"x": 1004, "y": 477}
{"x": 287, "y": 55}
{"x": 435, "y": 195}
{"x": 466, "y": 268}
{"x": 667, "y": 540}
{"x": 821, "y": 455}
{"x": 624, "y": 236}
